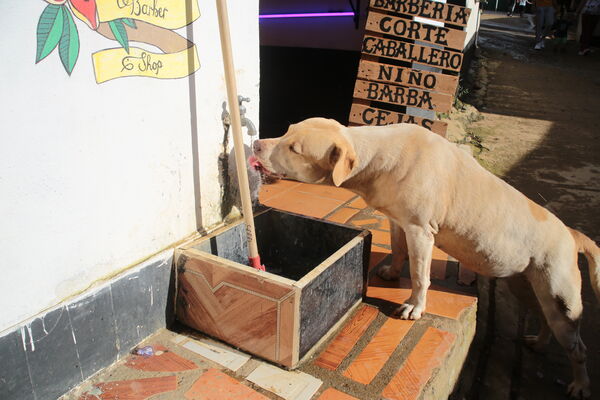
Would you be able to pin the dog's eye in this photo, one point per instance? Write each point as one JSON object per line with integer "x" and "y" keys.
{"x": 295, "y": 148}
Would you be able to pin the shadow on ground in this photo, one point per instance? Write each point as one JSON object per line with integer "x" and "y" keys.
{"x": 541, "y": 121}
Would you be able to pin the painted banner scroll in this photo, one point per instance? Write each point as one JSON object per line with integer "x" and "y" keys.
{"x": 411, "y": 58}
{"x": 144, "y": 21}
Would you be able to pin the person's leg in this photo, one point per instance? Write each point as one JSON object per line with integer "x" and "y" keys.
{"x": 512, "y": 8}
{"x": 539, "y": 23}
{"x": 587, "y": 30}
{"x": 548, "y": 20}
{"x": 588, "y": 25}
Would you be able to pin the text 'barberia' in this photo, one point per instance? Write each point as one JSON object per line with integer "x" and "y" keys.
{"x": 411, "y": 52}
{"x": 448, "y": 13}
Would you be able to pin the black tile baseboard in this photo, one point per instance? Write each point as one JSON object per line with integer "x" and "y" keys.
{"x": 56, "y": 351}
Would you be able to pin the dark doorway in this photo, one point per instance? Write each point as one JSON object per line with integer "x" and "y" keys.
{"x": 298, "y": 83}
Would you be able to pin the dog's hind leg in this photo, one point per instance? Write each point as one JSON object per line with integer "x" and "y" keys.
{"x": 557, "y": 288}
{"x": 399, "y": 254}
{"x": 521, "y": 288}
{"x": 420, "y": 245}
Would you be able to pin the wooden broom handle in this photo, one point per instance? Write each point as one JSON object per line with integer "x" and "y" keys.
{"x": 236, "y": 124}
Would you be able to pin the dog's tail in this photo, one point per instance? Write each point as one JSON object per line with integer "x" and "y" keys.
{"x": 587, "y": 246}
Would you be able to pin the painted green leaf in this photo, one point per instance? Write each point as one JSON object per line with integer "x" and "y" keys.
{"x": 118, "y": 29}
{"x": 129, "y": 22}
{"x": 69, "y": 42}
{"x": 49, "y": 31}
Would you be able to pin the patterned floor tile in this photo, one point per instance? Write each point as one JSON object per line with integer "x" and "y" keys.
{"x": 429, "y": 353}
{"x": 226, "y": 357}
{"x": 345, "y": 340}
{"x": 291, "y": 385}
{"x": 215, "y": 385}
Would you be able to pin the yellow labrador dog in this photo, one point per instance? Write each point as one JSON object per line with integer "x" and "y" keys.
{"x": 434, "y": 193}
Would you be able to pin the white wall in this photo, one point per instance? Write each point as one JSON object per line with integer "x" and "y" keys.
{"x": 95, "y": 178}
{"x": 474, "y": 21}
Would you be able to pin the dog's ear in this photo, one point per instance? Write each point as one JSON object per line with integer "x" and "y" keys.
{"x": 343, "y": 158}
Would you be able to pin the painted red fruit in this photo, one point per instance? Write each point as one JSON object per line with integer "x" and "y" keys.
{"x": 87, "y": 11}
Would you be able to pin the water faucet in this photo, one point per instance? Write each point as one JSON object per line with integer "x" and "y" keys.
{"x": 226, "y": 118}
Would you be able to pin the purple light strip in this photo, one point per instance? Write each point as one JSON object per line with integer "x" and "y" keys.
{"x": 308, "y": 15}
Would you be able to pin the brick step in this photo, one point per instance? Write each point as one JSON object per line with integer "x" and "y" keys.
{"x": 375, "y": 355}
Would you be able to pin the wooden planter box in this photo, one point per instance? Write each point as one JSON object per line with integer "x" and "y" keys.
{"x": 316, "y": 273}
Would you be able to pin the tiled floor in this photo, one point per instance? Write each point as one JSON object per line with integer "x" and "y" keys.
{"x": 372, "y": 356}
{"x": 364, "y": 349}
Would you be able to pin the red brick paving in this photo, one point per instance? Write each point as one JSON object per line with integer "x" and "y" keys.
{"x": 343, "y": 215}
{"x": 329, "y": 192}
{"x": 215, "y": 385}
{"x": 345, "y": 340}
{"x": 439, "y": 261}
{"x": 163, "y": 360}
{"x": 365, "y": 222}
{"x": 376, "y": 258}
{"x": 358, "y": 203}
{"x": 416, "y": 371}
{"x": 373, "y": 357}
{"x": 466, "y": 276}
{"x": 440, "y": 301}
{"x": 136, "y": 389}
{"x": 333, "y": 394}
{"x": 303, "y": 203}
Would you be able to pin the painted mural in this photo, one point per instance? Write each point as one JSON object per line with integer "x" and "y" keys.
{"x": 144, "y": 21}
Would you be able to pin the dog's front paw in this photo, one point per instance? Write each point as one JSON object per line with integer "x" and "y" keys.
{"x": 409, "y": 311}
{"x": 579, "y": 390}
{"x": 386, "y": 272}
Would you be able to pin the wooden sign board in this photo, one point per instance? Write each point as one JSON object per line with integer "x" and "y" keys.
{"x": 447, "y": 13}
{"x": 393, "y": 32}
{"x": 414, "y": 30}
{"x": 373, "y": 71}
{"x": 401, "y": 95}
{"x": 404, "y": 51}
{"x": 365, "y": 115}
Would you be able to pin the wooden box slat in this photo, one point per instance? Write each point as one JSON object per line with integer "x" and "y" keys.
{"x": 399, "y": 50}
{"x": 361, "y": 114}
{"x": 394, "y": 74}
{"x": 270, "y": 316}
{"x": 442, "y": 12}
{"x": 414, "y": 30}
{"x": 402, "y": 95}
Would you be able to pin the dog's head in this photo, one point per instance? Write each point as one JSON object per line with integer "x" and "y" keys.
{"x": 313, "y": 151}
